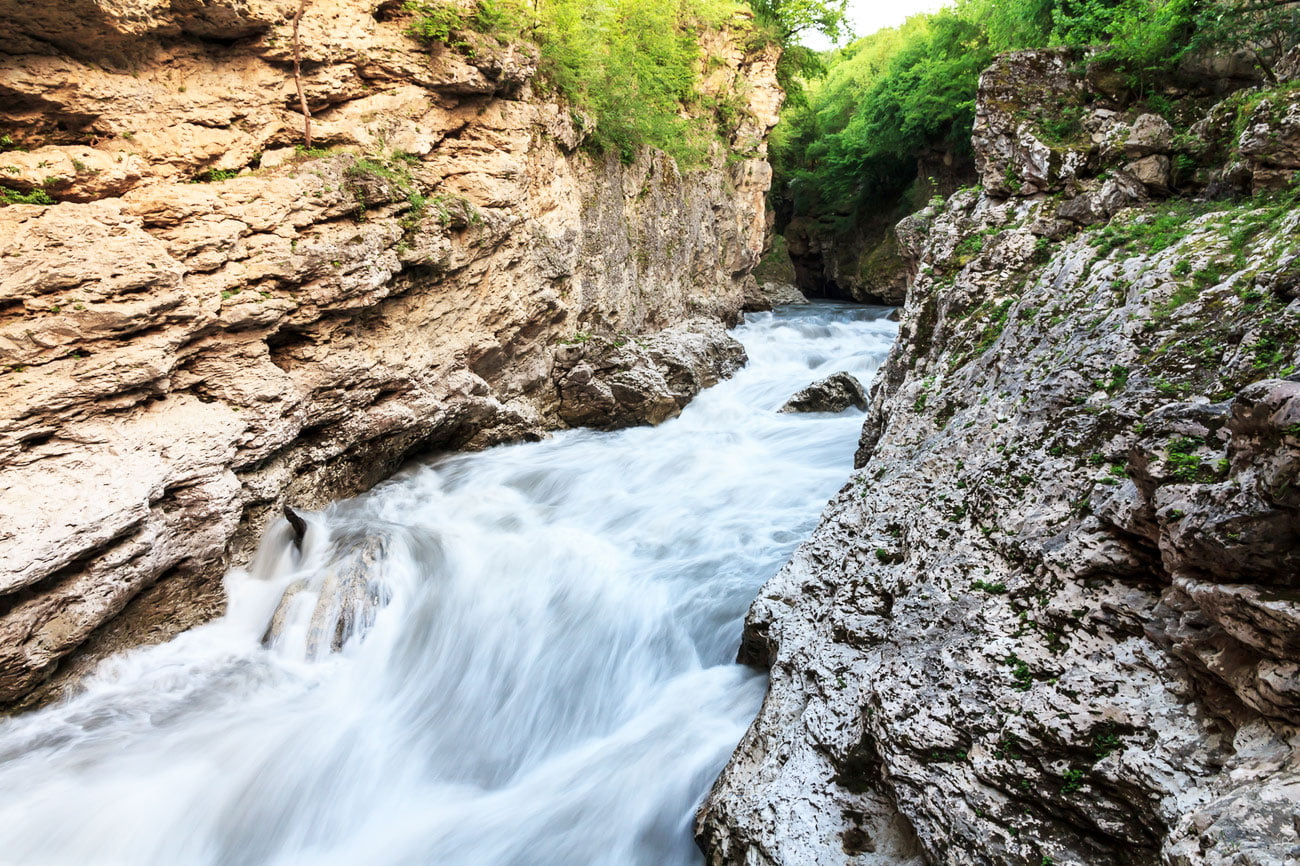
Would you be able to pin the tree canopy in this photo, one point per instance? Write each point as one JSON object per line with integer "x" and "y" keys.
{"x": 850, "y": 145}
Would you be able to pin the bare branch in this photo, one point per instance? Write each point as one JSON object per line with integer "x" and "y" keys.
{"x": 297, "y": 72}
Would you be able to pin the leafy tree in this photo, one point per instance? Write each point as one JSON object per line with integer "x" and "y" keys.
{"x": 890, "y": 97}
{"x": 628, "y": 65}
{"x": 1265, "y": 28}
{"x": 790, "y": 18}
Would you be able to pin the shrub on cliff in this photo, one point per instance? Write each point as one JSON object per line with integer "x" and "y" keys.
{"x": 631, "y": 66}
{"x": 896, "y": 95}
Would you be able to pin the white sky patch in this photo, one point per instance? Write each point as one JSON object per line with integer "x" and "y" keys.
{"x": 868, "y": 16}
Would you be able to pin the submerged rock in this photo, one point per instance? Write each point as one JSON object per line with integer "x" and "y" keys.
{"x": 344, "y": 596}
{"x": 835, "y": 393}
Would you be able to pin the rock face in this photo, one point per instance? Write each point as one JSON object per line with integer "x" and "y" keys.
{"x": 1078, "y": 139}
{"x": 767, "y": 295}
{"x": 179, "y": 358}
{"x": 835, "y": 393}
{"x": 609, "y": 382}
{"x": 1052, "y": 616}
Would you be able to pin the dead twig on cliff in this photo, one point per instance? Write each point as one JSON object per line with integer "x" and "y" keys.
{"x": 297, "y": 71}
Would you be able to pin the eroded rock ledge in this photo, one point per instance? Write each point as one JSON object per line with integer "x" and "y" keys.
{"x": 179, "y": 359}
{"x": 1052, "y": 617}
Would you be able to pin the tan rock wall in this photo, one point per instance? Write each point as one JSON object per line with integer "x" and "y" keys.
{"x": 178, "y": 360}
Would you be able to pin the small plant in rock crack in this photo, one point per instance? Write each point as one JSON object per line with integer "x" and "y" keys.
{"x": 1184, "y": 464}
{"x": 215, "y": 175}
{"x": 310, "y": 152}
{"x": 1022, "y": 676}
{"x": 1105, "y": 741}
{"x": 36, "y": 196}
{"x": 1073, "y": 780}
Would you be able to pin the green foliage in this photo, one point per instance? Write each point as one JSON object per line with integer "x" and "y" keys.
{"x": 310, "y": 152}
{"x": 1152, "y": 231}
{"x": 792, "y": 17}
{"x": 1265, "y": 28}
{"x": 1022, "y": 677}
{"x": 13, "y": 196}
{"x": 1105, "y": 741}
{"x": 438, "y": 22}
{"x": 851, "y": 147}
{"x": 630, "y": 68}
{"x": 1184, "y": 464}
{"x": 885, "y": 98}
{"x": 215, "y": 175}
{"x": 1118, "y": 379}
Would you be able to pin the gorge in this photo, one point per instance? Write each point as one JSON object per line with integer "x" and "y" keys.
{"x": 254, "y": 607}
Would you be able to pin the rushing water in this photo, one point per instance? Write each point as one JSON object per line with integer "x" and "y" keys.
{"x": 540, "y": 668}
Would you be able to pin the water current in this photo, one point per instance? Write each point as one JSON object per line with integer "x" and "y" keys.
{"x": 534, "y": 664}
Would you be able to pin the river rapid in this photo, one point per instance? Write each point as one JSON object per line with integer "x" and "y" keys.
{"x": 537, "y": 667}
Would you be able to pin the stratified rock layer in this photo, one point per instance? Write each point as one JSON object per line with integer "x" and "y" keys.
{"x": 1052, "y": 617}
{"x": 179, "y": 359}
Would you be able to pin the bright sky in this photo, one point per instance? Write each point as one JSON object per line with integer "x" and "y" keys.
{"x": 868, "y": 16}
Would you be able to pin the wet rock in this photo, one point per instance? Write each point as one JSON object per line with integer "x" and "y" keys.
{"x": 344, "y": 596}
{"x": 765, "y": 296}
{"x": 608, "y": 382}
{"x": 835, "y": 393}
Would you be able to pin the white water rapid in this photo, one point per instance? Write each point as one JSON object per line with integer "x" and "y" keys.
{"x": 537, "y": 668}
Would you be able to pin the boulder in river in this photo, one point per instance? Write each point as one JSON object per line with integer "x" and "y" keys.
{"x": 835, "y": 393}
{"x": 610, "y": 382}
{"x": 760, "y": 297}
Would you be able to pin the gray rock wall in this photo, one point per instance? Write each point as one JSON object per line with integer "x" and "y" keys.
{"x": 1051, "y": 617}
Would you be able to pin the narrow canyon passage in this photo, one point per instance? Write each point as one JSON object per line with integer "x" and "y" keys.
{"x": 540, "y": 662}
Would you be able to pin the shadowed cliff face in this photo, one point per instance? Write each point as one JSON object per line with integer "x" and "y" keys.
{"x": 1052, "y": 616}
{"x": 178, "y": 359}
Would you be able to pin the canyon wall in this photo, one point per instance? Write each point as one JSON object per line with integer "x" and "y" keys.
{"x": 212, "y": 321}
{"x": 1052, "y": 618}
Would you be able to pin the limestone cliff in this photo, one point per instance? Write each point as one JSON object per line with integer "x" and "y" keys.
{"x": 211, "y": 321}
{"x": 1053, "y": 616}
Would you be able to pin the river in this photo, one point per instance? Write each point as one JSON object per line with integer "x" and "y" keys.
{"x": 539, "y": 668}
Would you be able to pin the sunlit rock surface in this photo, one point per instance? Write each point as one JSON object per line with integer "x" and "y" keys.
{"x": 179, "y": 359}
